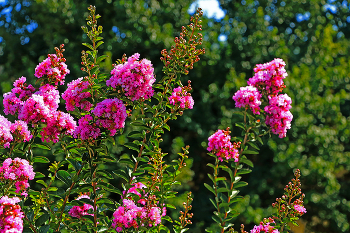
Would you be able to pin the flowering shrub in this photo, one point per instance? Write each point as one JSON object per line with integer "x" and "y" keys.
{"x": 98, "y": 106}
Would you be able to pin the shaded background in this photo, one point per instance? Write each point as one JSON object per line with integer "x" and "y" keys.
{"x": 312, "y": 36}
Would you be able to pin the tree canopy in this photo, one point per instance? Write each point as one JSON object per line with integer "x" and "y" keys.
{"x": 312, "y": 37}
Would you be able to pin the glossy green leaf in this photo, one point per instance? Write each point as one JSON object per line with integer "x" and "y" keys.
{"x": 64, "y": 177}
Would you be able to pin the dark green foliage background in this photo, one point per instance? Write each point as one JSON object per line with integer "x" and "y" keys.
{"x": 317, "y": 58}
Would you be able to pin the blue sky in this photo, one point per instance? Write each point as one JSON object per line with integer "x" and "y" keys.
{"x": 210, "y": 8}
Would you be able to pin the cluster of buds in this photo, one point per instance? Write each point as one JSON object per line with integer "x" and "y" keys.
{"x": 288, "y": 207}
{"x": 184, "y": 53}
{"x": 185, "y": 216}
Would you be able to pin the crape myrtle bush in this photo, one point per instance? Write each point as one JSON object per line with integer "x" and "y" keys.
{"x": 75, "y": 196}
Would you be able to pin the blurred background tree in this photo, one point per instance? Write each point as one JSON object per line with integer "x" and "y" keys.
{"x": 311, "y": 36}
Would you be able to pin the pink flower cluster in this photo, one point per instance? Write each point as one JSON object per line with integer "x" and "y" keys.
{"x": 18, "y": 171}
{"x": 5, "y": 132}
{"x": 38, "y": 108}
{"x": 59, "y": 122}
{"x": 11, "y": 215}
{"x": 300, "y": 209}
{"x": 264, "y": 228}
{"x": 20, "y": 131}
{"x": 134, "y": 77}
{"x": 269, "y": 77}
{"x": 76, "y": 94}
{"x": 17, "y": 131}
{"x": 268, "y": 81}
{"x": 86, "y": 129}
{"x": 54, "y": 68}
{"x": 12, "y": 103}
{"x": 278, "y": 115}
{"x": 80, "y": 211}
{"x": 111, "y": 115}
{"x": 130, "y": 215}
{"x": 220, "y": 145}
{"x": 248, "y": 96}
{"x": 180, "y": 97}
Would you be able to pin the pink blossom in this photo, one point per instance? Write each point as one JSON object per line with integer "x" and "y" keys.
{"x": 76, "y": 94}
{"x": 134, "y": 77}
{"x": 11, "y": 215}
{"x": 300, "y": 209}
{"x": 59, "y": 123}
{"x": 135, "y": 188}
{"x": 86, "y": 129}
{"x": 220, "y": 145}
{"x": 5, "y": 132}
{"x": 20, "y": 131}
{"x": 18, "y": 171}
{"x": 264, "y": 228}
{"x": 111, "y": 114}
{"x": 35, "y": 110}
{"x": 269, "y": 77}
{"x": 54, "y": 68}
{"x": 155, "y": 216}
{"x": 181, "y": 98}
{"x": 14, "y": 100}
{"x": 127, "y": 215}
{"x": 278, "y": 115}
{"x": 50, "y": 95}
{"x": 248, "y": 96}
{"x": 80, "y": 211}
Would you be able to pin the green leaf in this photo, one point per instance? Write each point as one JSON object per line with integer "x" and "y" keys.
{"x": 166, "y": 217}
{"x": 209, "y": 188}
{"x": 241, "y": 125}
{"x": 44, "y": 229}
{"x": 250, "y": 152}
{"x": 240, "y": 184}
{"x": 135, "y": 134}
{"x": 42, "y": 219}
{"x": 76, "y": 164}
{"x": 39, "y": 175}
{"x": 121, "y": 174}
{"x": 30, "y": 216}
{"x": 101, "y": 58}
{"x": 127, "y": 161}
{"x": 64, "y": 177}
{"x": 99, "y": 43}
{"x": 228, "y": 170}
{"x": 132, "y": 146}
{"x": 243, "y": 171}
{"x": 252, "y": 144}
{"x": 216, "y": 219}
{"x": 233, "y": 193}
{"x": 246, "y": 161}
{"x": 42, "y": 182}
{"x": 44, "y": 147}
{"x": 211, "y": 177}
{"x": 222, "y": 190}
{"x": 88, "y": 45}
{"x": 41, "y": 160}
{"x": 171, "y": 206}
{"x": 213, "y": 202}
